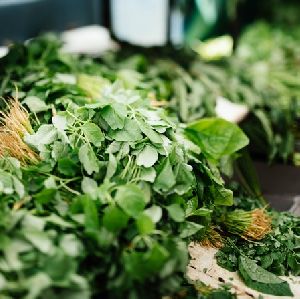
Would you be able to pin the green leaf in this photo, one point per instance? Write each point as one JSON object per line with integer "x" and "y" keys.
{"x": 89, "y": 187}
{"x": 150, "y": 133}
{"x": 147, "y": 157}
{"x": 154, "y": 212}
{"x": 216, "y": 137}
{"x": 144, "y": 224}
{"x": 35, "y": 104}
{"x": 45, "y": 196}
{"x": 221, "y": 195}
{"x": 59, "y": 266}
{"x": 93, "y": 133}
{"x": 115, "y": 115}
{"x": 67, "y": 167}
{"x": 90, "y": 214}
{"x": 46, "y": 134}
{"x": 131, "y": 199}
{"x": 190, "y": 228}
{"x": 176, "y": 212}
{"x": 165, "y": 179}
{"x": 114, "y": 219}
{"x": 130, "y": 132}
{"x": 261, "y": 280}
{"x": 88, "y": 159}
{"x": 39, "y": 240}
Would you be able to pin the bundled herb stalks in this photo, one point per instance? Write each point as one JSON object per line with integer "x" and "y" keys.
{"x": 250, "y": 225}
{"x": 15, "y": 125}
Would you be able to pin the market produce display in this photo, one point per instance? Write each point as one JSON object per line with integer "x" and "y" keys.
{"x": 102, "y": 188}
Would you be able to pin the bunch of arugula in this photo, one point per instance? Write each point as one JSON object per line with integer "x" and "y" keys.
{"x": 119, "y": 190}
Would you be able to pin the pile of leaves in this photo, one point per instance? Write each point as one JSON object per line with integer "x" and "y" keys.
{"x": 109, "y": 190}
{"x": 101, "y": 188}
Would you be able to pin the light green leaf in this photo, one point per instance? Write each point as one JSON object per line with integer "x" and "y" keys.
{"x": 115, "y": 115}
{"x": 131, "y": 199}
{"x": 176, "y": 212}
{"x": 130, "y": 132}
{"x": 35, "y": 104}
{"x": 149, "y": 132}
{"x": 88, "y": 159}
{"x": 93, "y": 133}
{"x": 46, "y": 134}
{"x": 221, "y": 195}
{"x": 154, "y": 212}
{"x": 144, "y": 224}
{"x": 190, "y": 228}
{"x": 165, "y": 179}
{"x": 89, "y": 186}
{"x": 147, "y": 157}
{"x": 60, "y": 122}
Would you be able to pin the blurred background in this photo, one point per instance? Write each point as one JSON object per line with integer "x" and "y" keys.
{"x": 165, "y": 21}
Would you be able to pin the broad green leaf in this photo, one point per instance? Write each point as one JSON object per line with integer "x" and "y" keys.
{"x": 115, "y": 115}
{"x": 190, "y": 228}
{"x": 165, "y": 179}
{"x": 114, "y": 219}
{"x": 147, "y": 157}
{"x": 45, "y": 196}
{"x": 88, "y": 159}
{"x": 216, "y": 137}
{"x": 46, "y": 134}
{"x": 35, "y": 104}
{"x": 176, "y": 212}
{"x": 149, "y": 132}
{"x": 261, "y": 280}
{"x": 93, "y": 133}
{"x": 90, "y": 214}
{"x": 89, "y": 186}
{"x": 131, "y": 199}
{"x": 130, "y": 132}
{"x": 154, "y": 212}
{"x": 60, "y": 122}
{"x": 145, "y": 224}
{"x": 221, "y": 195}
{"x": 67, "y": 166}
{"x": 59, "y": 266}
{"x": 39, "y": 240}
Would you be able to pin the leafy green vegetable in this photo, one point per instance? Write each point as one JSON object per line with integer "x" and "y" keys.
{"x": 216, "y": 137}
{"x": 262, "y": 280}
